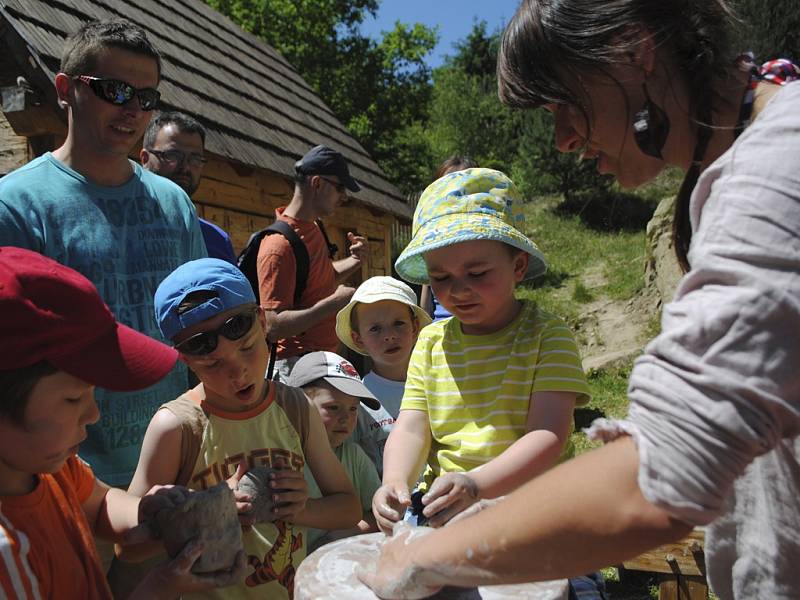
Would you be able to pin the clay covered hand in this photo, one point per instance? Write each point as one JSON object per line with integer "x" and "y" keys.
{"x": 176, "y": 576}
{"x": 395, "y": 575}
{"x": 389, "y": 505}
{"x": 449, "y": 495}
{"x": 157, "y": 498}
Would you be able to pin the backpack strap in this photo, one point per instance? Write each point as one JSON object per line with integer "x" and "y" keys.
{"x": 193, "y": 422}
{"x": 295, "y": 405}
{"x": 248, "y": 258}
{"x": 332, "y": 248}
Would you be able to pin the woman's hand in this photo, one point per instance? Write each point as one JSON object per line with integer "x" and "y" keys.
{"x": 389, "y": 505}
{"x": 395, "y": 575}
{"x": 449, "y": 495}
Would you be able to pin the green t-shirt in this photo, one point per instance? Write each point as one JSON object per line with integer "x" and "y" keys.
{"x": 361, "y": 472}
{"x": 477, "y": 389}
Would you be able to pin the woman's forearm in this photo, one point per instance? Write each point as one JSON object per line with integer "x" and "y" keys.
{"x": 585, "y": 514}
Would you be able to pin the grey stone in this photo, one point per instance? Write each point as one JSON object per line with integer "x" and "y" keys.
{"x": 210, "y": 515}
{"x": 255, "y": 484}
{"x": 662, "y": 272}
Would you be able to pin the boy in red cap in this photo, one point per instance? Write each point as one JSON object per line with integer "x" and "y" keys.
{"x": 60, "y": 340}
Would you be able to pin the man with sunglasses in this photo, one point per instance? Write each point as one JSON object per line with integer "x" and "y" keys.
{"x": 174, "y": 147}
{"x": 322, "y": 179}
{"x": 90, "y": 207}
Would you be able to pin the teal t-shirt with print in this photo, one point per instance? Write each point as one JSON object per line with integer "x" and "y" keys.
{"x": 125, "y": 239}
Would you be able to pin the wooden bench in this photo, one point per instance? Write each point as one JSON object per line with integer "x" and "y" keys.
{"x": 681, "y": 568}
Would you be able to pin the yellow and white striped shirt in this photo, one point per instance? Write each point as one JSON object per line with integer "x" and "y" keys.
{"x": 477, "y": 389}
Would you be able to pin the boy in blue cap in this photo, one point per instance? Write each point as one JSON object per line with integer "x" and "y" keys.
{"x": 208, "y": 309}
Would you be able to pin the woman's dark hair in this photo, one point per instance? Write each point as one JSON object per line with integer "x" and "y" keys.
{"x": 16, "y": 386}
{"x": 552, "y": 43}
{"x": 452, "y": 164}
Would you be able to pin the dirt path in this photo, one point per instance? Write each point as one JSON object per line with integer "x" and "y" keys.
{"x": 611, "y": 331}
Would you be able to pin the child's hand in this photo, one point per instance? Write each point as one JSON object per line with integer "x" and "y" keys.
{"x": 157, "y": 498}
{"x": 389, "y": 505}
{"x": 243, "y": 501}
{"x": 449, "y": 495}
{"x": 169, "y": 580}
{"x": 290, "y": 492}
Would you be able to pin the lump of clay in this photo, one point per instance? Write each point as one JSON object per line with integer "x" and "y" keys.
{"x": 210, "y": 515}
{"x": 255, "y": 483}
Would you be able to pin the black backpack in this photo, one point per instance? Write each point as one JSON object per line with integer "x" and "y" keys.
{"x": 248, "y": 264}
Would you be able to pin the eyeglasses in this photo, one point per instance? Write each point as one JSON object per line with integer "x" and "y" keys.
{"x": 206, "y": 342}
{"x": 340, "y": 187}
{"x": 174, "y": 157}
{"x": 119, "y": 92}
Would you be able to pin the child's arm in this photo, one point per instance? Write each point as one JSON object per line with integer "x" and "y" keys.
{"x": 159, "y": 463}
{"x": 404, "y": 456}
{"x": 548, "y": 425}
{"x": 339, "y": 507}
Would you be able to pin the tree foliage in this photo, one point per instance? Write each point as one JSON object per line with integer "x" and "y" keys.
{"x": 376, "y": 88}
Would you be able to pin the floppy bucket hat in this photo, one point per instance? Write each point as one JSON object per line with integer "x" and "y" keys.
{"x": 335, "y": 370}
{"x": 53, "y": 313}
{"x": 229, "y": 284}
{"x": 373, "y": 290}
{"x": 473, "y": 204}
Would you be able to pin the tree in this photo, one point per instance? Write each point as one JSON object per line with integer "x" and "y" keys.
{"x": 377, "y": 89}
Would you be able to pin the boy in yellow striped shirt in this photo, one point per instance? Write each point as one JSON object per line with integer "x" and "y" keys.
{"x": 490, "y": 392}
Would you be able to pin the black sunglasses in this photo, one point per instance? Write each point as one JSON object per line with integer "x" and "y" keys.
{"x": 119, "y": 92}
{"x": 340, "y": 187}
{"x": 175, "y": 157}
{"x": 206, "y": 342}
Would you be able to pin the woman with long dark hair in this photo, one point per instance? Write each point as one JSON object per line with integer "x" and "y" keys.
{"x": 711, "y": 437}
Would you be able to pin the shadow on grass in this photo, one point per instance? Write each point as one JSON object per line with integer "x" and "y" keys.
{"x": 584, "y": 416}
{"x": 608, "y": 211}
{"x": 553, "y": 278}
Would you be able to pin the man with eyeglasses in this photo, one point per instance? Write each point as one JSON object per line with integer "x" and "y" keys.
{"x": 322, "y": 179}
{"x": 174, "y": 147}
{"x": 88, "y": 206}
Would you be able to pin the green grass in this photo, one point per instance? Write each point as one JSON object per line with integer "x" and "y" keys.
{"x": 571, "y": 247}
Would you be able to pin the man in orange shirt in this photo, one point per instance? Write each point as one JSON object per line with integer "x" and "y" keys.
{"x": 321, "y": 180}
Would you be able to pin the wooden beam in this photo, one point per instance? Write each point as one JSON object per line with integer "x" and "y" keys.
{"x": 27, "y": 118}
{"x": 685, "y": 557}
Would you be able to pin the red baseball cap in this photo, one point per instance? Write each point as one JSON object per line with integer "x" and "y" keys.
{"x": 51, "y": 312}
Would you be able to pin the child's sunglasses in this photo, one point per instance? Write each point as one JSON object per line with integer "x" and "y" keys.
{"x": 206, "y": 342}
{"x": 119, "y": 92}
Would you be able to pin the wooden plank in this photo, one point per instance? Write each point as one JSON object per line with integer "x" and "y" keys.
{"x": 13, "y": 148}
{"x": 682, "y": 587}
{"x": 685, "y": 557}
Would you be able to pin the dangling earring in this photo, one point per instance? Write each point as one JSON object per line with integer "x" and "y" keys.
{"x": 651, "y": 127}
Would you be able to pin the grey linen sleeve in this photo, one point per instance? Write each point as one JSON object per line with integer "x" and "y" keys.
{"x": 721, "y": 384}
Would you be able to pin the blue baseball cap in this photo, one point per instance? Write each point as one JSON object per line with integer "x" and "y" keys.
{"x": 206, "y": 274}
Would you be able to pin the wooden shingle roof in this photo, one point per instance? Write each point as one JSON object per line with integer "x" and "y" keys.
{"x": 255, "y": 106}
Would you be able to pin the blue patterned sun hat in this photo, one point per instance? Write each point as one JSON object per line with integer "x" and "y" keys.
{"x": 473, "y": 204}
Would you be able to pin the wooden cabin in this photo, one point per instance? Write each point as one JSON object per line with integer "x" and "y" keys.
{"x": 260, "y": 115}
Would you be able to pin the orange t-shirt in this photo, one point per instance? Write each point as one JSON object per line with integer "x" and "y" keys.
{"x": 277, "y": 273}
{"x": 46, "y": 545}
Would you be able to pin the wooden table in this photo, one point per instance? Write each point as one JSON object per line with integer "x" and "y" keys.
{"x": 681, "y": 568}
